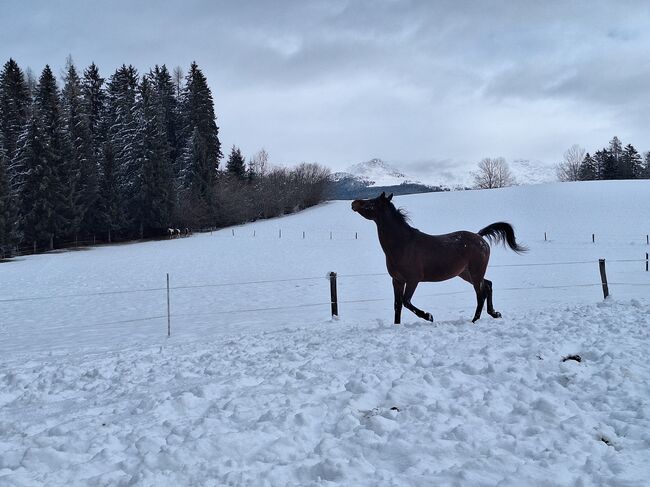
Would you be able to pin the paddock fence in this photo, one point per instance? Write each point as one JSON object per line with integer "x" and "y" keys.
{"x": 332, "y": 298}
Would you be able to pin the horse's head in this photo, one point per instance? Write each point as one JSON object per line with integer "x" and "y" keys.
{"x": 372, "y": 208}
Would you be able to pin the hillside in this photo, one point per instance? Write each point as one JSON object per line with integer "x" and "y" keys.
{"x": 258, "y": 384}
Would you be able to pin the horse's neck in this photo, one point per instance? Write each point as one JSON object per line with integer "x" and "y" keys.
{"x": 392, "y": 234}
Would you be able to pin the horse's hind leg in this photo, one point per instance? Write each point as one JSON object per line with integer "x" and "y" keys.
{"x": 480, "y": 300}
{"x": 490, "y": 306}
{"x": 408, "y": 294}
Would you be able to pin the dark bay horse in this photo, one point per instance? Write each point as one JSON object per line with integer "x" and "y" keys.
{"x": 413, "y": 257}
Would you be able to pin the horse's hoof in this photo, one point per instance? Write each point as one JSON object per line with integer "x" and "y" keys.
{"x": 429, "y": 317}
{"x": 474, "y": 320}
{"x": 496, "y": 315}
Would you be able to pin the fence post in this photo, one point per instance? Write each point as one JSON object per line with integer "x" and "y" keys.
{"x": 544, "y": 236}
{"x": 603, "y": 277}
{"x": 646, "y": 261}
{"x": 593, "y": 238}
{"x": 169, "y": 320}
{"x": 647, "y": 239}
{"x": 356, "y": 235}
{"x": 334, "y": 299}
{"x": 330, "y": 235}
{"x": 253, "y": 233}
{"x": 233, "y": 232}
{"x": 303, "y": 235}
{"x": 280, "y": 233}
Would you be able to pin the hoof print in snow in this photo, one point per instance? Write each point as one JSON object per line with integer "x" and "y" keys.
{"x": 606, "y": 441}
{"x": 577, "y": 358}
{"x": 395, "y": 408}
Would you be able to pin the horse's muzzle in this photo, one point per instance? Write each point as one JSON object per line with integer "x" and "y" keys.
{"x": 356, "y": 205}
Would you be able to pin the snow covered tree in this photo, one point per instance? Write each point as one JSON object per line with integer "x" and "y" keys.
{"x": 121, "y": 136}
{"x": 15, "y": 101}
{"x": 167, "y": 111}
{"x": 38, "y": 187}
{"x": 236, "y": 164}
{"x": 645, "y": 170}
{"x": 493, "y": 173}
{"x": 202, "y": 151}
{"x": 80, "y": 175}
{"x": 154, "y": 202}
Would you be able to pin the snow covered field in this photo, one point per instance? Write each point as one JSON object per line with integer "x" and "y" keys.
{"x": 258, "y": 387}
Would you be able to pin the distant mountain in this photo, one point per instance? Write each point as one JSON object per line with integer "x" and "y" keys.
{"x": 370, "y": 178}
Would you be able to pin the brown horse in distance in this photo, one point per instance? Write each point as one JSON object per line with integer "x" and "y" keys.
{"x": 413, "y": 256}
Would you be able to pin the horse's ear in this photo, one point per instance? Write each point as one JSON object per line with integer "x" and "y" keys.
{"x": 390, "y": 197}
{"x": 383, "y": 195}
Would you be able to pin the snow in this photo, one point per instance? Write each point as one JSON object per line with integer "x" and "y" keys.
{"x": 376, "y": 173}
{"x": 292, "y": 397}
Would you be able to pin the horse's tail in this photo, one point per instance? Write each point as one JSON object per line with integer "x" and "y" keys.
{"x": 504, "y": 233}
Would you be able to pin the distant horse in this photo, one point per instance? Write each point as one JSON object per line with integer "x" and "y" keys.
{"x": 413, "y": 257}
{"x": 177, "y": 233}
{"x": 170, "y": 233}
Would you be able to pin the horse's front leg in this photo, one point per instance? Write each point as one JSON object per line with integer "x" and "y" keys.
{"x": 408, "y": 294}
{"x": 398, "y": 289}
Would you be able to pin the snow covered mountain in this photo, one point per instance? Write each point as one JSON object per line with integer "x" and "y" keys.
{"x": 365, "y": 179}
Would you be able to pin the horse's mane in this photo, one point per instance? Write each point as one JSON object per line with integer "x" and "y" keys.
{"x": 400, "y": 214}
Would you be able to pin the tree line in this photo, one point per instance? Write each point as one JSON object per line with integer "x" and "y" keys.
{"x": 127, "y": 157}
{"x": 611, "y": 162}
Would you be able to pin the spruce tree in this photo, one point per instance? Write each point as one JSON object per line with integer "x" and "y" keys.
{"x": 15, "y": 101}
{"x": 94, "y": 101}
{"x": 236, "y": 164}
{"x": 81, "y": 178}
{"x": 121, "y": 135}
{"x": 167, "y": 112}
{"x": 631, "y": 165}
{"x": 202, "y": 151}
{"x": 48, "y": 113}
{"x": 612, "y": 167}
{"x": 588, "y": 169}
{"x": 154, "y": 202}
{"x": 37, "y": 187}
{"x": 111, "y": 208}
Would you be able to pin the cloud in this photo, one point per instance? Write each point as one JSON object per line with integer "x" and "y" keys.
{"x": 338, "y": 81}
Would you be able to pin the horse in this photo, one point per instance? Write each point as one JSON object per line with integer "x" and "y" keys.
{"x": 170, "y": 233}
{"x": 413, "y": 256}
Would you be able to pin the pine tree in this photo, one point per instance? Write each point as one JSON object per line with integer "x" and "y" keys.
{"x": 167, "y": 107}
{"x": 38, "y": 186}
{"x": 79, "y": 159}
{"x": 612, "y": 166}
{"x": 645, "y": 169}
{"x": 154, "y": 201}
{"x": 631, "y": 165}
{"x": 236, "y": 164}
{"x": 94, "y": 101}
{"x": 588, "y": 169}
{"x": 14, "y": 107}
{"x": 111, "y": 208}
{"x": 121, "y": 135}
{"x": 52, "y": 199}
{"x": 202, "y": 151}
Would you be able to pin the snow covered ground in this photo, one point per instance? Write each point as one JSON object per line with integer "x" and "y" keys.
{"x": 258, "y": 386}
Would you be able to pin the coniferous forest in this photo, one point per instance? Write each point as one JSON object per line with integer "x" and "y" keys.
{"x": 129, "y": 156}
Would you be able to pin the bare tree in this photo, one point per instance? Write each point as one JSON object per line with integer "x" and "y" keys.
{"x": 177, "y": 79}
{"x": 260, "y": 163}
{"x": 493, "y": 172}
{"x": 569, "y": 168}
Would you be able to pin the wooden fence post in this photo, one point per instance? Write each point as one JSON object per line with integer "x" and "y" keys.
{"x": 334, "y": 299}
{"x": 280, "y": 233}
{"x": 647, "y": 239}
{"x": 169, "y": 319}
{"x": 303, "y": 235}
{"x": 544, "y": 236}
{"x": 330, "y": 235}
{"x": 593, "y": 238}
{"x": 603, "y": 277}
{"x": 646, "y": 261}
{"x": 356, "y": 235}
{"x": 233, "y": 232}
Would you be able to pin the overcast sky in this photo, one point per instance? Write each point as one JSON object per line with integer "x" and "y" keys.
{"x": 428, "y": 85}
